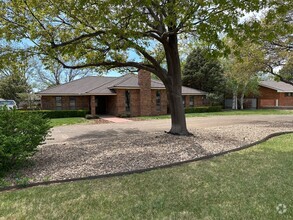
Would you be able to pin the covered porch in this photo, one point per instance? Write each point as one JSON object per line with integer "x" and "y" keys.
{"x": 102, "y": 104}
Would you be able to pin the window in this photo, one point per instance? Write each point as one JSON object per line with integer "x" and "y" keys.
{"x": 127, "y": 101}
{"x": 183, "y": 101}
{"x": 58, "y": 103}
{"x": 72, "y": 103}
{"x": 191, "y": 101}
{"x": 158, "y": 101}
{"x": 289, "y": 94}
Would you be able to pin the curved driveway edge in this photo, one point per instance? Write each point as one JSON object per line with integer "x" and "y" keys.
{"x": 18, "y": 187}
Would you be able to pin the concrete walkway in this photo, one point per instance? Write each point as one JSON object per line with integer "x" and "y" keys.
{"x": 87, "y": 131}
{"x": 114, "y": 119}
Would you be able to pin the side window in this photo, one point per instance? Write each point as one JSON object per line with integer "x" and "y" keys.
{"x": 72, "y": 103}
{"x": 191, "y": 101}
{"x": 183, "y": 101}
{"x": 127, "y": 101}
{"x": 58, "y": 102}
{"x": 158, "y": 101}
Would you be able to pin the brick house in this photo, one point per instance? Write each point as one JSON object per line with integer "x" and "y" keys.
{"x": 271, "y": 94}
{"x": 275, "y": 94}
{"x": 131, "y": 94}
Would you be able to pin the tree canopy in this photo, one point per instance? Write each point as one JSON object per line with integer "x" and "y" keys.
{"x": 241, "y": 70}
{"x": 14, "y": 78}
{"x": 203, "y": 72}
{"x": 103, "y": 33}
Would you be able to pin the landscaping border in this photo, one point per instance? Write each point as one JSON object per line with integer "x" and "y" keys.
{"x": 19, "y": 187}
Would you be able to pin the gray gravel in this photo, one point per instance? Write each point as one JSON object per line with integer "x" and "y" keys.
{"x": 131, "y": 150}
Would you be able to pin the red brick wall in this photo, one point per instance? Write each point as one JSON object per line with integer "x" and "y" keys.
{"x": 49, "y": 102}
{"x": 267, "y": 102}
{"x": 144, "y": 82}
{"x": 120, "y": 101}
{"x": 112, "y": 105}
{"x": 266, "y": 93}
{"x": 285, "y": 100}
{"x": 134, "y": 102}
{"x": 268, "y": 97}
{"x": 164, "y": 103}
{"x": 199, "y": 100}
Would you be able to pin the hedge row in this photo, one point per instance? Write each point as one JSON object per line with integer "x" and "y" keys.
{"x": 60, "y": 113}
{"x": 203, "y": 109}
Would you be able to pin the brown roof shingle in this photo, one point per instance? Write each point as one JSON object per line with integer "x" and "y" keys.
{"x": 278, "y": 86}
{"x": 100, "y": 85}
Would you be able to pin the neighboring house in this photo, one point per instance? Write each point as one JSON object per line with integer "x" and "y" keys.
{"x": 275, "y": 94}
{"x": 134, "y": 95}
{"x": 272, "y": 94}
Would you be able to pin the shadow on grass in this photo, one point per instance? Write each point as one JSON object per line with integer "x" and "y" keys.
{"x": 248, "y": 184}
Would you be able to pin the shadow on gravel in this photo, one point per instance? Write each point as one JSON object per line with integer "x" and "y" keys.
{"x": 275, "y": 124}
{"x": 111, "y": 133}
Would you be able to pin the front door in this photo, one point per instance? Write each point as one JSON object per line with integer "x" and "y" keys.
{"x": 101, "y": 107}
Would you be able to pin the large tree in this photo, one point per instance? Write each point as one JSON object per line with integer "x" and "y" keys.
{"x": 203, "y": 72}
{"x": 14, "y": 74}
{"x": 277, "y": 41}
{"x": 241, "y": 70}
{"x": 51, "y": 73}
{"x": 287, "y": 71}
{"x": 103, "y": 33}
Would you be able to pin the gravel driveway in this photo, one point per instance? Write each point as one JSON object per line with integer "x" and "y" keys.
{"x": 86, "y": 150}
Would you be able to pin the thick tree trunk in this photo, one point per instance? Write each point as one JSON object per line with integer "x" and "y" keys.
{"x": 177, "y": 110}
{"x": 173, "y": 85}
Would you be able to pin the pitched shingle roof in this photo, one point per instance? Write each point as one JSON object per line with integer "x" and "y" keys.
{"x": 278, "y": 86}
{"x": 100, "y": 85}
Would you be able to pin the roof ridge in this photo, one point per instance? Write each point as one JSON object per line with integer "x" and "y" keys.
{"x": 124, "y": 78}
{"x": 114, "y": 78}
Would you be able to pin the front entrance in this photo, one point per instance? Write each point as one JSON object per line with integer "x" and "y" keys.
{"x": 101, "y": 105}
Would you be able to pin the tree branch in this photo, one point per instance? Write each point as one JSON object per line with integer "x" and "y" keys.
{"x": 109, "y": 65}
{"x": 271, "y": 71}
{"x": 83, "y": 36}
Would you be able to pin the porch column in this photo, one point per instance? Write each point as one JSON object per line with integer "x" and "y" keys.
{"x": 93, "y": 105}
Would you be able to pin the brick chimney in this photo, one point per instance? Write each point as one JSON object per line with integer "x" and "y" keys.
{"x": 144, "y": 82}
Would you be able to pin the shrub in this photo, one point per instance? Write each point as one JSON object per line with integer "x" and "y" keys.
{"x": 88, "y": 116}
{"x": 203, "y": 109}
{"x": 59, "y": 113}
{"x": 20, "y": 135}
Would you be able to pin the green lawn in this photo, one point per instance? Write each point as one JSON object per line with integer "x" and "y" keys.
{"x": 67, "y": 121}
{"x": 238, "y": 112}
{"x": 70, "y": 121}
{"x": 248, "y": 184}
